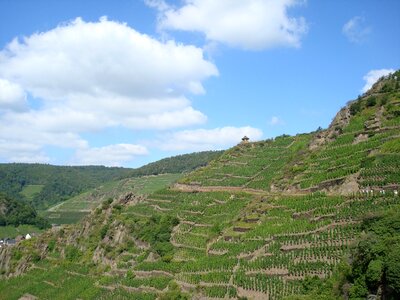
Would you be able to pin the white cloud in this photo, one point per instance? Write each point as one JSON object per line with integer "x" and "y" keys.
{"x": 168, "y": 119}
{"x": 22, "y": 152}
{"x": 111, "y": 155}
{"x": 356, "y": 30}
{"x": 275, "y": 121}
{"x": 207, "y": 139}
{"x": 372, "y": 76}
{"x": 103, "y": 59}
{"x": 160, "y": 5}
{"x": 12, "y": 96}
{"x": 88, "y": 76}
{"x": 250, "y": 24}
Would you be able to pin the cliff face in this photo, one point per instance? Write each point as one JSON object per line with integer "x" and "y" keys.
{"x": 341, "y": 120}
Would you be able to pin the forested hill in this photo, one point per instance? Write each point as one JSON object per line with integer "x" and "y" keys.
{"x": 177, "y": 164}
{"x": 45, "y": 185}
{"x": 16, "y": 212}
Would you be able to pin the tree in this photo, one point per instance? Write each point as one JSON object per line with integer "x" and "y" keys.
{"x": 374, "y": 273}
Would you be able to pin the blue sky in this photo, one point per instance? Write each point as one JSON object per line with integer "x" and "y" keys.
{"x": 128, "y": 82}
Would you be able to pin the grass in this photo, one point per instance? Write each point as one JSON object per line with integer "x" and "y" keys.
{"x": 64, "y": 217}
{"x": 55, "y": 283}
{"x": 13, "y": 231}
{"x": 74, "y": 209}
{"x": 30, "y": 190}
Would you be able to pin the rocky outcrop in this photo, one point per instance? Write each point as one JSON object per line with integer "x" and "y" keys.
{"x": 340, "y": 121}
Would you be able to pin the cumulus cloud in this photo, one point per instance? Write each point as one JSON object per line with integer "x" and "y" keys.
{"x": 88, "y": 76}
{"x": 111, "y": 155}
{"x": 356, "y": 30}
{"x": 275, "y": 121}
{"x": 23, "y": 136}
{"x": 103, "y": 59}
{"x": 251, "y": 24}
{"x": 207, "y": 139}
{"x": 372, "y": 76}
{"x": 22, "y": 151}
{"x": 12, "y": 96}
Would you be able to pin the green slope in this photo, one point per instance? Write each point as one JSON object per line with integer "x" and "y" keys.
{"x": 14, "y": 212}
{"x": 253, "y": 165}
{"x": 259, "y": 222}
{"x": 46, "y": 185}
{"x": 75, "y": 208}
{"x": 361, "y": 142}
{"x": 177, "y": 164}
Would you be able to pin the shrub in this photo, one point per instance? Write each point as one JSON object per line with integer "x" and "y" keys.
{"x": 355, "y": 108}
{"x": 374, "y": 273}
{"x": 371, "y": 101}
{"x": 35, "y": 257}
{"x": 103, "y": 231}
{"x": 72, "y": 253}
{"x": 106, "y": 203}
{"x": 51, "y": 245}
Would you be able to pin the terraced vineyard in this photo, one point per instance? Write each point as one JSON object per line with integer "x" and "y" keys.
{"x": 76, "y": 208}
{"x": 258, "y": 222}
{"x": 225, "y": 245}
{"x": 252, "y": 165}
{"x": 362, "y": 145}
{"x": 269, "y": 248}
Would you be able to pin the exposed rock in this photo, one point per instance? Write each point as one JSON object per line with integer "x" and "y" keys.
{"x": 349, "y": 186}
{"x": 152, "y": 257}
{"x": 141, "y": 244}
{"x": 241, "y": 229}
{"x": 340, "y": 121}
{"x": 131, "y": 199}
{"x": 360, "y": 138}
{"x": 28, "y": 297}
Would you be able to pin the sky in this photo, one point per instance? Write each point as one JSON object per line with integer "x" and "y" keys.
{"x": 128, "y": 82}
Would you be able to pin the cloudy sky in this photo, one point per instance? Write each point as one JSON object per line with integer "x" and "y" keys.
{"x": 123, "y": 83}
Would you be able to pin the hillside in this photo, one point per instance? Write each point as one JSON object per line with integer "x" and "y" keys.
{"x": 75, "y": 208}
{"x": 265, "y": 220}
{"x": 177, "y": 164}
{"x": 359, "y": 150}
{"x": 14, "y": 213}
{"x": 46, "y": 185}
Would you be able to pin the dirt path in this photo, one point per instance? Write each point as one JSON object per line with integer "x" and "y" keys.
{"x": 198, "y": 188}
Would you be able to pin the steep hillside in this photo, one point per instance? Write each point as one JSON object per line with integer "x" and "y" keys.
{"x": 359, "y": 150}
{"x": 75, "y": 208}
{"x": 265, "y": 220}
{"x": 251, "y": 165}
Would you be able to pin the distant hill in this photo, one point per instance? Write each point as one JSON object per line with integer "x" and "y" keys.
{"x": 45, "y": 185}
{"x": 75, "y": 208}
{"x": 177, "y": 164}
